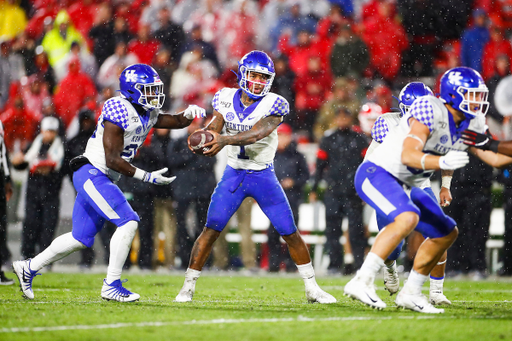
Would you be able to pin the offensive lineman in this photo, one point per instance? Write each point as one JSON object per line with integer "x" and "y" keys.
{"x": 385, "y": 125}
{"x": 122, "y": 128}
{"x": 428, "y": 139}
{"x": 250, "y": 115}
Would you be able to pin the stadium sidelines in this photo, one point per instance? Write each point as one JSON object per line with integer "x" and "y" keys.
{"x": 234, "y": 321}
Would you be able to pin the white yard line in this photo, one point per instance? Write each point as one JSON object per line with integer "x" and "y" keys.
{"x": 230, "y": 321}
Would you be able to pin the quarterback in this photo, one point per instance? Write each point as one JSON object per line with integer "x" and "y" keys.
{"x": 250, "y": 116}
{"x": 123, "y": 125}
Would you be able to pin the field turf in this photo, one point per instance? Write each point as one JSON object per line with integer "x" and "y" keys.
{"x": 236, "y": 307}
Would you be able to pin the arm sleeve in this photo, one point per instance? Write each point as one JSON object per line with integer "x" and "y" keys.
{"x": 215, "y": 101}
{"x": 115, "y": 112}
{"x": 422, "y": 111}
{"x": 379, "y": 130}
{"x": 279, "y": 108}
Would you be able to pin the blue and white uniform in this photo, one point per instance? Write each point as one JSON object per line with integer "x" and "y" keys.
{"x": 250, "y": 171}
{"x": 98, "y": 198}
{"x": 379, "y": 180}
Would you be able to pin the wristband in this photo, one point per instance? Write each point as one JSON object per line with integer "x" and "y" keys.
{"x": 139, "y": 174}
{"x": 493, "y": 146}
{"x": 446, "y": 181}
{"x": 423, "y": 161}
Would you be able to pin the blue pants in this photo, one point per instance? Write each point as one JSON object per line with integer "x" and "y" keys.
{"x": 263, "y": 186}
{"x": 98, "y": 199}
{"x": 386, "y": 195}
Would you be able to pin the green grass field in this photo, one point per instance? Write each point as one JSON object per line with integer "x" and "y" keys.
{"x": 235, "y": 307}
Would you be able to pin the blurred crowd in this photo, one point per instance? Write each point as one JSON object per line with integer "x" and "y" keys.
{"x": 62, "y": 59}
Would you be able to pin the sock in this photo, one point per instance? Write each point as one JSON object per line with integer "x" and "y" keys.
{"x": 191, "y": 277}
{"x": 308, "y": 274}
{"x": 61, "y": 246}
{"x": 119, "y": 247}
{"x": 436, "y": 284}
{"x": 372, "y": 265}
{"x": 415, "y": 282}
{"x": 390, "y": 267}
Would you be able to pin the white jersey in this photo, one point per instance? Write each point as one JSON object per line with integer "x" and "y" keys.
{"x": 387, "y": 124}
{"x": 238, "y": 118}
{"x": 444, "y": 136}
{"x": 120, "y": 112}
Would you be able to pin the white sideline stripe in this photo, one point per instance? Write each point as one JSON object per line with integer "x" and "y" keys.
{"x": 233, "y": 321}
{"x": 380, "y": 200}
{"x": 99, "y": 200}
{"x": 203, "y": 322}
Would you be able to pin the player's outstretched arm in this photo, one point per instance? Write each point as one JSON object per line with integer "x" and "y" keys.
{"x": 260, "y": 130}
{"x": 181, "y": 120}
{"x": 413, "y": 156}
{"x": 492, "y": 159}
{"x": 113, "y": 143}
{"x": 486, "y": 142}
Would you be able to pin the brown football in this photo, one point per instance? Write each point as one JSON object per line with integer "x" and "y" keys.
{"x": 197, "y": 139}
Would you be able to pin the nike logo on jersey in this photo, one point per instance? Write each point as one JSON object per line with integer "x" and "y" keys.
{"x": 371, "y": 299}
{"x": 251, "y": 118}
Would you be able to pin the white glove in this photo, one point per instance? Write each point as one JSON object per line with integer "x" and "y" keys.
{"x": 154, "y": 177}
{"x": 194, "y": 111}
{"x": 454, "y": 159}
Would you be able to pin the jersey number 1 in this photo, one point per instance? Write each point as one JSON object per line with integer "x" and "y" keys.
{"x": 242, "y": 153}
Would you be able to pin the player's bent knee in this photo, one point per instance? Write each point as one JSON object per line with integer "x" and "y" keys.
{"x": 408, "y": 219}
{"x": 130, "y": 227}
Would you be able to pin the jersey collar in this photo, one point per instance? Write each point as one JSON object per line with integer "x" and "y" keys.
{"x": 455, "y": 131}
{"x": 241, "y": 111}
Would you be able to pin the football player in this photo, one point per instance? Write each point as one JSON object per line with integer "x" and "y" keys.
{"x": 250, "y": 115}
{"x": 386, "y": 125}
{"x": 123, "y": 125}
{"x": 428, "y": 138}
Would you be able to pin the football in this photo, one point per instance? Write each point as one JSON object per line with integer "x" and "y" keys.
{"x": 197, "y": 139}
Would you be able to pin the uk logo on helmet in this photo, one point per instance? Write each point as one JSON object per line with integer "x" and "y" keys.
{"x": 131, "y": 76}
{"x": 455, "y": 77}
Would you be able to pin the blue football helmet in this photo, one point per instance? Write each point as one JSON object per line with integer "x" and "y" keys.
{"x": 258, "y": 62}
{"x": 409, "y": 93}
{"x": 464, "y": 89}
{"x": 140, "y": 84}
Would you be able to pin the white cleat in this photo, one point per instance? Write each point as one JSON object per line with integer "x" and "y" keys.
{"x": 438, "y": 298}
{"x": 25, "y": 276}
{"x": 317, "y": 295}
{"x": 362, "y": 289}
{"x": 116, "y": 292}
{"x": 391, "y": 280}
{"x": 185, "y": 295}
{"x": 416, "y": 302}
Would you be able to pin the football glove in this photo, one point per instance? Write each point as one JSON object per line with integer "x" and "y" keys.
{"x": 155, "y": 177}
{"x": 194, "y": 111}
{"x": 480, "y": 141}
{"x": 454, "y": 159}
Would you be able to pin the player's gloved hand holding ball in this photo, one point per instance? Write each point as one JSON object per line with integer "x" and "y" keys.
{"x": 480, "y": 141}
{"x": 194, "y": 111}
{"x": 454, "y": 159}
{"x": 155, "y": 177}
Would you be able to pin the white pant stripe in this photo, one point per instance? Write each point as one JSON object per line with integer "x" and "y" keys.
{"x": 377, "y": 197}
{"x": 99, "y": 200}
